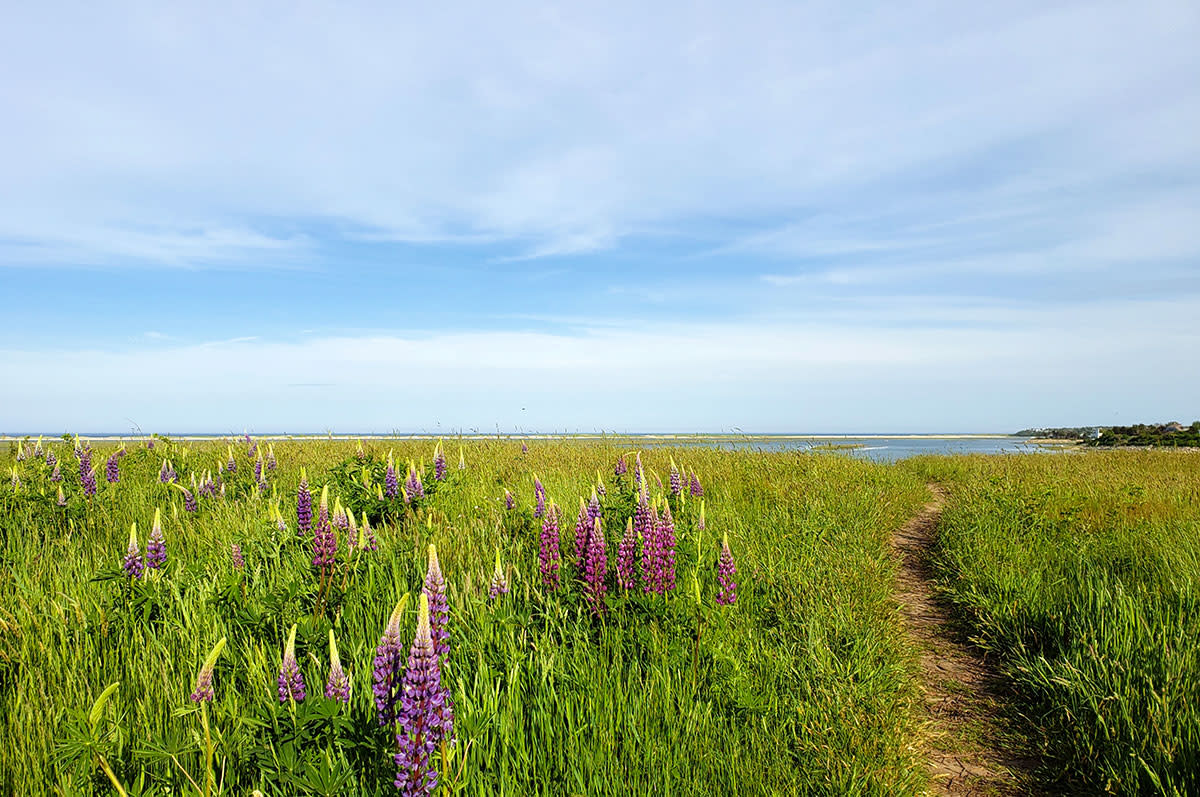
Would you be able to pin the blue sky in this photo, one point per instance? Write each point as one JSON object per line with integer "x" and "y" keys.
{"x": 612, "y": 216}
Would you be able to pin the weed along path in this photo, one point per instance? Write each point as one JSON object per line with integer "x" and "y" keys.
{"x": 964, "y": 713}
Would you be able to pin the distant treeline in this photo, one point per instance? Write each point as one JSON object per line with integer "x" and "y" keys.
{"x": 1142, "y": 434}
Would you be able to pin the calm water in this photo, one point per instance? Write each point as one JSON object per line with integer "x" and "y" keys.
{"x": 881, "y": 449}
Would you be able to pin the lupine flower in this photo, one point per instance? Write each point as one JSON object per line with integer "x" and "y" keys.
{"x": 87, "y": 477}
{"x": 393, "y": 485}
{"x": 252, "y": 450}
{"x": 325, "y": 543}
{"x": 509, "y": 503}
{"x": 20, "y": 451}
{"x": 600, "y": 486}
{"x": 499, "y": 585}
{"x": 644, "y": 529}
{"x": 291, "y": 681}
{"x": 280, "y": 523}
{"x": 62, "y": 499}
{"x": 340, "y": 518}
{"x": 231, "y": 464}
{"x": 389, "y": 658}
{"x": 359, "y": 453}
{"x": 425, "y": 716}
{"x": 189, "y": 501}
{"x": 594, "y": 510}
{"x": 548, "y": 554}
{"x": 596, "y": 567}
{"x": 203, "y": 693}
{"x": 666, "y": 550}
{"x": 235, "y": 551}
{"x": 413, "y": 487}
{"x": 258, "y": 470}
{"x": 162, "y": 473}
{"x": 56, "y": 474}
{"x": 524, "y": 448}
{"x": 51, "y": 460}
{"x": 700, "y": 522}
{"x": 539, "y": 495}
{"x": 462, "y": 462}
{"x": 156, "y": 546}
{"x": 725, "y": 573}
{"x": 639, "y": 475}
{"x": 303, "y": 507}
{"x": 435, "y": 588}
{"x": 367, "y": 534}
{"x": 149, "y": 443}
{"x": 439, "y": 464}
{"x": 271, "y": 457}
{"x": 697, "y": 490}
{"x": 338, "y": 685}
{"x": 620, "y": 468}
{"x": 674, "y": 479}
{"x": 626, "y": 554}
{"x": 245, "y": 436}
{"x": 133, "y": 563}
{"x": 582, "y": 528}
{"x": 16, "y": 477}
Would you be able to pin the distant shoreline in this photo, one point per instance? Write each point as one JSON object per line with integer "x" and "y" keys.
{"x": 544, "y": 436}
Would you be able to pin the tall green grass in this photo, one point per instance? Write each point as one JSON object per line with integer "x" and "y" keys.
{"x": 804, "y": 686}
{"x": 1082, "y": 575}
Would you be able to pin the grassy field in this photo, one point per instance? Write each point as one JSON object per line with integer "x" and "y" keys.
{"x": 804, "y": 685}
{"x": 1081, "y": 573}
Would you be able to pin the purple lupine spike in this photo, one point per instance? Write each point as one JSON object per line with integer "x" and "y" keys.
{"x": 258, "y": 470}
{"x": 235, "y": 553}
{"x": 51, "y": 460}
{"x": 20, "y": 451}
{"x": 435, "y": 588}
{"x": 582, "y": 529}
{"x": 620, "y": 468}
{"x": 252, "y": 450}
{"x": 303, "y": 507}
{"x": 626, "y": 555}
{"x": 413, "y": 487}
{"x": 666, "y": 550}
{"x": 392, "y": 485}
{"x": 189, "y": 501}
{"x": 340, "y": 519}
{"x": 439, "y": 464}
{"x": 499, "y": 585}
{"x": 337, "y": 687}
{"x": 156, "y": 546}
{"x": 56, "y": 474}
{"x": 509, "y": 503}
{"x": 149, "y": 443}
{"x": 524, "y": 448}
{"x": 325, "y": 542}
{"x": 62, "y": 498}
{"x": 696, "y": 489}
{"x": 548, "y": 553}
{"x": 291, "y": 681}
{"x": 596, "y": 568}
{"x": 352, "y": 533}
{"x": 539, "y": 495}
{"x": 203, "y": 692}
{"x": 87, "y": 477}
{"x": 271, "y": 463}
{"x": 726, "y": 570}
{"x": 594, "y": 511}
{"x": 133, "y": 564}
{"x": 599, "y": 488}
{"x": 644, "y": 529}
{"x": 231, "y": 463}
{"x": 389, "y": 659}
{"x": 425, "y": 716}
{"x": 639, "y": 474}
{"x": 674, "y": 479}
{"x": 162, "y": 473}
{"x": 245, "y": 437}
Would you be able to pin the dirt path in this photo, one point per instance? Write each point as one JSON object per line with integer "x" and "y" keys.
{"x": 965, "y": 744}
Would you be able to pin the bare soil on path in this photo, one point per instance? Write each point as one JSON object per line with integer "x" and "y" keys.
{"x": 967, "y": 750}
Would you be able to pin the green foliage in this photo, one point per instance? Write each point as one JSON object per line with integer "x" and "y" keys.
{"x": 1082, "y": 574}
{"x": 804, "y": 686}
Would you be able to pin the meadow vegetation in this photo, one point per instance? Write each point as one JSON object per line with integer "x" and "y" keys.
{"x": 1080, "y": 574}
{"x": 802, "y": 684}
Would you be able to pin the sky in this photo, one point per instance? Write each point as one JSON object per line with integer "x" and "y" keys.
{"x": 580, "y": 217}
